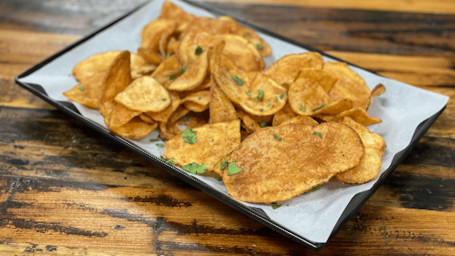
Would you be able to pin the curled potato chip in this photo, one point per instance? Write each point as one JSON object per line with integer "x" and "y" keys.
{"x": 301, "y": 120}
{"x": 144, "y": 94}
{"x": 149, "y": 56}
{"x": 171, "y": 11}
{"x": 359, "y": 115}
{"x": 197, "y": 101}
{"x": 167, "y": 71}
{"x": 243, "y": 54}
{"x": 319, "y": 76}
{"x": 151, "y": 34}
{"x": 286, "y": 69}
{"x": 221, "y": 108}
{"x": 334, "y": 108}
{"x": 283, "y": 115}
{"x": 377, "y": 90}
{"x": 87, "y": 92}
{"x": 211, "y": 143}
{"x": 313, "y": 155}
{"x": 307, "y": 97}
{"x": 248, "y": 123}
{"x": 193, "y": 77}
{"x": 255, "y": 92}
{"x": 163, "y": 116}
{"x": 134, "y": 129}
{"x": 371, "y": 161}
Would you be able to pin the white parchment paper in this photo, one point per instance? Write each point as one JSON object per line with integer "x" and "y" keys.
{"x": 312, "y": 216}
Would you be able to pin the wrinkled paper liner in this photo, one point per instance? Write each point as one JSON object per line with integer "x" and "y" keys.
{"x": 314, "y": 215}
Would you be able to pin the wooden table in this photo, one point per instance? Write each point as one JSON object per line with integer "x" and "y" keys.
{"x": 64, "y": 189}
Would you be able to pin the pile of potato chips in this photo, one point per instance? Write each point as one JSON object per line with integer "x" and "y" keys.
{"x": 270, "y": 133}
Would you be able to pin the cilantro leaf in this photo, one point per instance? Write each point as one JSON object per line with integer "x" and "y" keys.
{"x": 195, "y": 168}
{"x": 318, "y": 134}
{"x": 172, "y": 77}
{"x": 82, "y": 88}
{"x": 248, "y": 92}
{"x": 163, "y": 99}
{"x": 233, "y": 169}
{"x": 260, "y": 95}
{"x": 183, "y": 70}
{"x": 189, "y": 136}
{"x": 315, "y": 189}
{"x": 224, "y": 164}
{"x": 282, "y": 95}
{"x": 259, "y": 46}
{"x": 278, "y": 138}
{"x": 154, "y": 139}
{"x": 303, "y": 108}
{"x": 160, "y": 145}
{"x": 323, "y": 105}
{"x": 198, "y": 50}
{"x": 275, "y": 206}
{"x": 237, "y": 80}
{"x": 262, "y": 124}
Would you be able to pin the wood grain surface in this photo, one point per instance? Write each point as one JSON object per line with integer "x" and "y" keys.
{"x": 66, "y": 190}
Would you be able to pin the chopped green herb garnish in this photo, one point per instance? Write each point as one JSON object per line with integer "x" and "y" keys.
{"x": 172, "y": 77}
{"x": 261, "y": 109}
{"x": 168, "y": 55}
{"x": 160, "y": 145}
{"x": 218, "y": 178}
{"x": 275, "y": 206}
{"x": 198, "y": 50}
{"x": 233, "y": 169}
{"x": 154, "y": 139}
{"x": 183, "y": 70}
{"x": 262, "y": 124}
{"x": 269, "y": 104}
{"x": 314, "y": 189}
{"x": 323, "y": 105}
{"x": 82, "y": 88}
{"x": 213, "y": 139}
{"x": 247, "y": 33}
{"x": 278, "y": 138}
{"x": 237, "y": 79}
{"x": 276, "y": 98}
{"x": 189, "y": 136}
{"x": 224, "y": 164}
{"x": 248, "y": 92}
{"x": 259, "y": 46}
{"x": 303, "y": 108}
{"x": 282, "y": 95}
{"x": 195, "y": 168}
{"x": 171, "y": 162}
{"x": 163, "y": 99}
{"x": 318, "y": 134}
{"x": 260, "y": 95}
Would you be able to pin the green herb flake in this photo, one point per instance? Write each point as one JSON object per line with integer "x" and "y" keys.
{"x": 248, "y": 92}
{"x": 198, "y": 50}
{"x": 318, "y": 134}
{"x": 189, "y": 136}
{"x": 224, "y": 164}
{"x": 237, "y": 80}
{"x": 275, "y": 206}
{"x": 82, "y": 88}
{"x": 262, "y": 124}
{"x": 154, "y": 139}
{"x": 233, "y": 169}
{"x": 303, "y": 108}
{"x": 163, "y": 99}
{"x": 171, "y": 162}
{"x": 195, "y": 168}
{"x": 168, "y": 55}
{"x": 261, "y": 109}
{"x": 160, "y": 145}
{"x": 260, "y": 95}
{"x": 278, "y": 138}
{"x": 247, "y": 33}
{"x": 269, "y": 104}
{"x": 218, "y": 178}
{"x": 259, "y": 46}
{"x": 183, "y": 70}
{"x": 314, "y": 189}
{"x": 282, "y": 95}
{"x": 172, "y": 77}
{"x": 276, "y": 98}
{"x": 323, "y": 105}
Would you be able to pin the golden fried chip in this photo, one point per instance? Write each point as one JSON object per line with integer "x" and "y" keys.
{"x": 306, "y": 97}
{"x": 334, "y": 108}
{"x": 277, "y": 163}
{"x": 207, "y": 146}
{"x": 319, "y": 76}
{"x": 377, "y": 90}
{"x": 255, "y": 92}
{"x": 243, "y": 54}
{"x": 149, "y": 56}
{"x": 151, "y": 34}
{"x": 167, "y": 71}
{"x": 221, "y": 108}
{"x": 248, "y": 123}
{"x": 197, "y": 101}
{"x": 283, "y": 115}
{"x": 134, "y": 129}
{"x": 144, "y": 94}
{"x": 286, "y": 69}
{"x": 171, "y": 11}
{"x": 164, "y": 115}
{"x": 371, "y": 162}
{"x": 87, "y": 92}
{"x": 359, "y": 115}
{"x": 192, "y": 76}
{"x": 301, "y": 120}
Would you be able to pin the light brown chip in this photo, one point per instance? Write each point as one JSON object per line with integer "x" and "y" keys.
{"x": 286, "y": 69}
{"x": 255, "y": 92}
{"x": 197, "y": 101}
{"x": 248, "y": 123}
{"x": 87, "y": 92}
{"x": 174, "y": 12}
{"x": 144, "y": 94}
{"x": 213, "y": 141}
{"x": 135, "y": 129}
{"x": 243, "y": 54}
{"x": 301, "y": 120}
{"x": 152, "y": 33}
{"x": 320, "y": 77}
{"x": 221, "y": 108}
{"x": 167, "y": 71}
{"x": 193, "y": 77}
{"x": 334, "y": 108}
{"x": 307, "y": 97}
{"x": 377, "y": 90}
{"x": 150, "y": 57}
{"x": 359, "y": 115}
{"x": 278, "y": 163}
{"x": 370, "y": 164}
{"x": 283, "y": 115}
{"x": 164, "y": 115}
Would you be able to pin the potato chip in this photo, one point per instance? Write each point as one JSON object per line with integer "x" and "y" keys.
{"x": 171, "y": 11}
{"x": 193, "y": 76}
{"x": 377, "y": 90}
{"x": 140, "y": 67}
{"x": 87, "y": 92}
{"x": 286, "y": 69}
{"x": 197, "y": 101}
{"x": 255, "y": 92}
{"x": 207, "y": 144}
{"x": 248, "y": 123}
{"x": 321, "y": 77}
{"x": 307, "y": 97}
{"x": 259, "y": 171}
{"x": 151, "y": 34}
{"x": 334, "y": 108}
{"x": 301, "y": 120}
{"x": 134, "y": 129}
{"x": 221, "y": 108}
{"x": 144, "y": 94}
{"x": 359, "y": 115}
{"x": 164, "y": 115}
{"x": 167, "y": 71}
{"x": 283, "y": 115}
{"x": 371, "y": 161}
{"x": 148, "y": 56}
{"x": 243, "y": 54}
